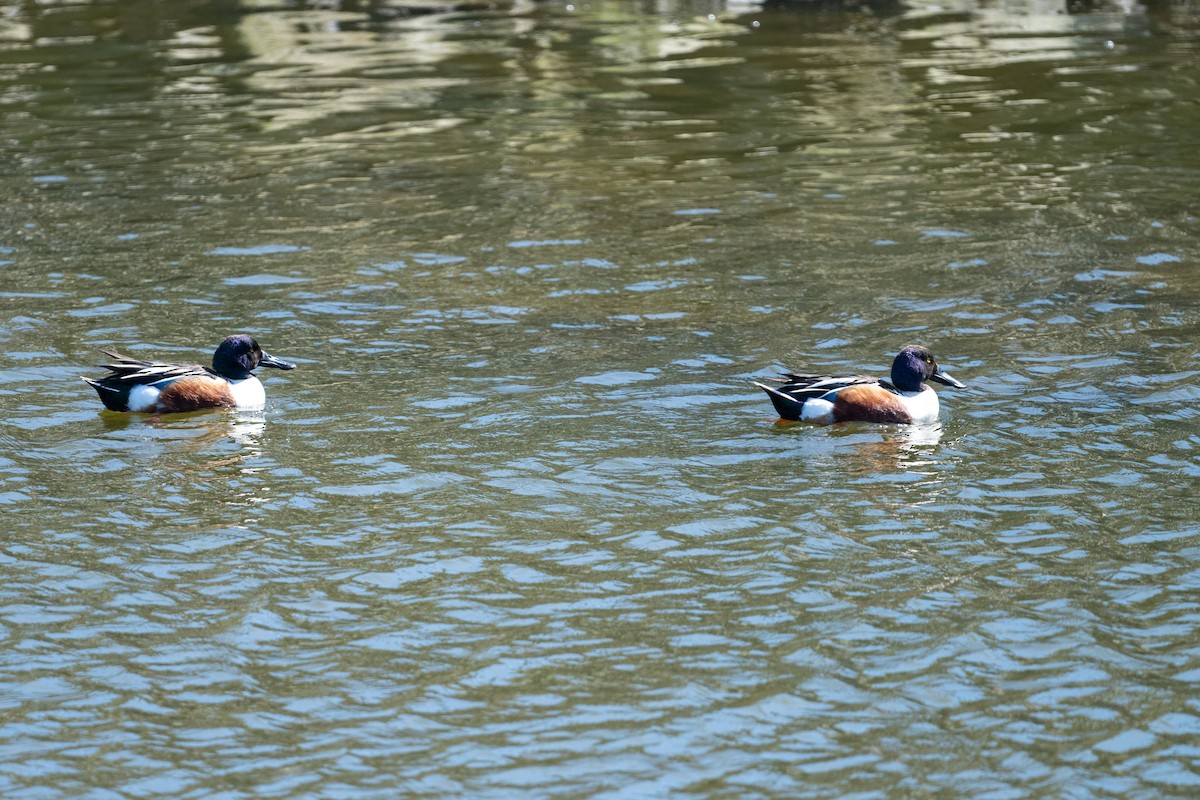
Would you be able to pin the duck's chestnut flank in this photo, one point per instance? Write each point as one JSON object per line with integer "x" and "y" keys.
{"x": 195, "y": 393}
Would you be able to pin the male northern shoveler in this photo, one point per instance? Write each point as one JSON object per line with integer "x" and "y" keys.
{"x": 825, "y": 399}
{"x": 161, "y": 388}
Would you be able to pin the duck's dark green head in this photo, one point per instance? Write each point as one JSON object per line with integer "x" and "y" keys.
{"x": 239, "y": 355}
{"x": 914, "y": 365}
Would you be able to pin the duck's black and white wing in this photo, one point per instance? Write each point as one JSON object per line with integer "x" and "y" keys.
{"x": 136, "y": 372}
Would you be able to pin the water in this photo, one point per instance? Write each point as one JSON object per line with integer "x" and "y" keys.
{"x": 519, "y": 525}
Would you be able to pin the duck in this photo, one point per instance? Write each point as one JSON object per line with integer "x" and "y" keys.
{"x": 157, "y": 387}
{"x": 826, "y": 399}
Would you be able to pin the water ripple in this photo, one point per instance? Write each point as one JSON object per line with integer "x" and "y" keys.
{"x": 520, "y": 523}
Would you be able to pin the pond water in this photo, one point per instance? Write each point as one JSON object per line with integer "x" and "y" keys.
{"x": 519, "y": 525}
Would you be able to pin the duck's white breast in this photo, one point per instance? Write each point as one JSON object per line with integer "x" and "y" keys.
{"x": 922, "y": 406}
{"x": 248, "y": 393}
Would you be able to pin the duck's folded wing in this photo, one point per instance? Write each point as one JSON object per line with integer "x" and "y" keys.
{"x": 803, "y": 387}
{"x": 135, "y": 371}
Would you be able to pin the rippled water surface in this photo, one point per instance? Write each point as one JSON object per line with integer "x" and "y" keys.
{"x": 519, "y": 525}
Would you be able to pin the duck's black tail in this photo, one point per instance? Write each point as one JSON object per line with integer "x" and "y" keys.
{"x": 111, "y": 397}
{"x": 786, "y": 406}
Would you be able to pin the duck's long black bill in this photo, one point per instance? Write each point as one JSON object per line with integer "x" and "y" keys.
{"x": 269, "y": 360}
{"x": 942, "y": 377}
